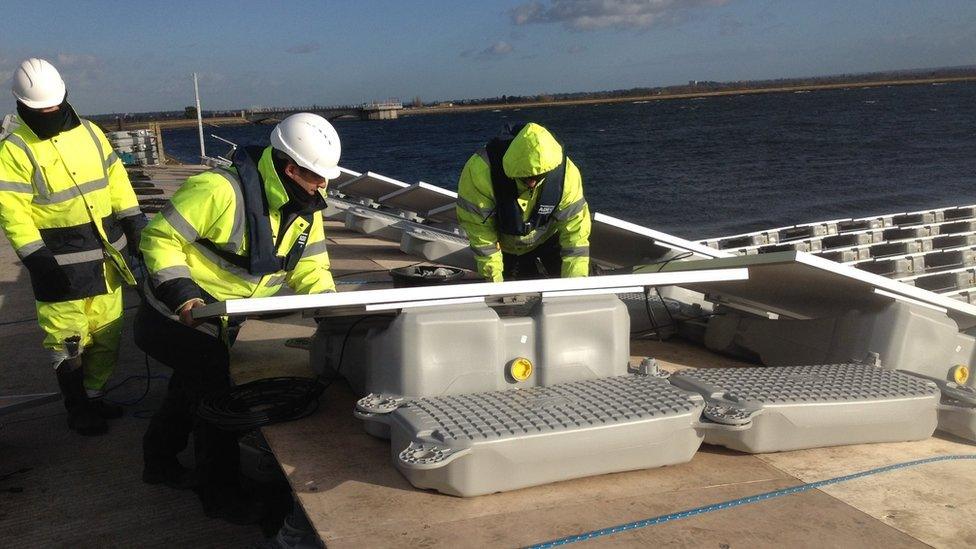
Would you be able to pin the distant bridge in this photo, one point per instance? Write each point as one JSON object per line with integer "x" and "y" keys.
{"x": 384, "y": 110}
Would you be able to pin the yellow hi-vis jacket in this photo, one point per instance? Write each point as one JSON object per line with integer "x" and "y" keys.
{"x": 210, "y": 206}
{"x": 532, "y": 152}
{"x": 68, "y": 196}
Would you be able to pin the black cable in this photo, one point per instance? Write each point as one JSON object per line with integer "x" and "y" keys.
{"x": 271, "y": 400}
{"x": 148, "y": 377}
{"x": 32, "y": 418}
{"x": 343, "y": 275}
{"x": 677, "y": 257}
{"x": 342, "y": 349}
{"x": 656, "y": 328}
{"x": 261, "y": 402}
{"x": 21, "y": 321}
{"x": 20, "y": 471}
{"x": 667, "y": 309}
{"x": 650, "y": 315}
{"x": 34, "y": 318}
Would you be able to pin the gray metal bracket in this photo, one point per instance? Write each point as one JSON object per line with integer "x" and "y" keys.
{"x": 959, "y": 396}
{"x": 376, "y": 406}
{"x": 428, "y": 455}
{"x": 650, "y": 368}
{"x": 721, "y": 408}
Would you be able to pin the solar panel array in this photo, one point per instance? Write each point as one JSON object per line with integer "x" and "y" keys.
{"x": 423, "y": 219}
{"x": 931, "y": 249}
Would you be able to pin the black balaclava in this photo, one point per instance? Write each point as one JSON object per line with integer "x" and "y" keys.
{"x": 299, "y": 201}
{"x": 46, "y": 125}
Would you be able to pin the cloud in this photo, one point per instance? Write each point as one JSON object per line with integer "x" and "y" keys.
{"x": 599, "y": 14}
{"x": 71, "y": 60}
{"x": 79, "y": 70}
{"x": 307, "y": 47}
{"x": 497, "y": 49}
{"x": 500, "y": 48}
{"x": 7, "y": 68}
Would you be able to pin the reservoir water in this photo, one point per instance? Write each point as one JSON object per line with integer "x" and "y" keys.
{"x": 704, "y": 167}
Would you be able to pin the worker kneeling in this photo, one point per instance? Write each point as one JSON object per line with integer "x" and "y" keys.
{"x": 520, "y": 200}
{"x": 228, "y": 234}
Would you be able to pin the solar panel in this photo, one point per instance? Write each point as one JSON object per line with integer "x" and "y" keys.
{"x": 800, "y": 285}
{"x": 344, "y": 301}
{"x": 345, "y": 176}
{"x": 444, "y": 214}
{"x": 622, "y": 244}
{"x": 419, "y": 198}
{"x": 370, "y": 185}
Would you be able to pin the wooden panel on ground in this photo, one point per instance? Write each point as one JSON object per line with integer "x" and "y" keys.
{"x": 346, "y": 482}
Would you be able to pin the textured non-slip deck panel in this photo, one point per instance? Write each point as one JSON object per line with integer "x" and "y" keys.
{"x": 590, "y": 403}
{"x": 816, "y": 383}
{"x": 773, "y": 409}
{"x": 475, "y": 444}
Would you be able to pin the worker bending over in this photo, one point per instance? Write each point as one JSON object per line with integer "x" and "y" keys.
{"x": 228, "y": 234}
{"x": 68, "y": 208}
{"x": 520, "y": 200}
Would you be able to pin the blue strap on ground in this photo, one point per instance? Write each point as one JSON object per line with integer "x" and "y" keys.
{"x": 744, "y": 501}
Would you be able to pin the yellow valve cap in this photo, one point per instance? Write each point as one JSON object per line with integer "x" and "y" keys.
{"x": 960, "y": 374}
{"x": 520, "y": 369}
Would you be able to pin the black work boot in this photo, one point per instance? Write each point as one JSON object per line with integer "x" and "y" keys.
{"x": 82, "y": 418}
{"x": 233, "y": 506}
{"x": 169, "y": 472}
{"x": 105, "y": 409}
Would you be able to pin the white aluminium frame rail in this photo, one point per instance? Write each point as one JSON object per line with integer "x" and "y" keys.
{"x": 398, "y": 298}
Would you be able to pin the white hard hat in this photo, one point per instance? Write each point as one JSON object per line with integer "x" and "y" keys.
{"x": 38, "y": 84}
{"x": 310, "y": 141}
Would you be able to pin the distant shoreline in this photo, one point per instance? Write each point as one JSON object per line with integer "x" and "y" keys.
{"x": 167, "y": 124}
{"x": 410, "y": 111}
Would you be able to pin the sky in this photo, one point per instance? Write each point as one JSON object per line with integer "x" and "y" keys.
{"x": 138, "y": 56}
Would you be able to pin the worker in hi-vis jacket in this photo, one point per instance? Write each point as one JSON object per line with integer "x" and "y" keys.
{"x": 68, "y": 209}
{"x": 232, "y": 233}
{"x": 520, "y": 201}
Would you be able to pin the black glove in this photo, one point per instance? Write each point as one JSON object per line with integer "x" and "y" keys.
{"x": 132, "y": 227}
{"x": 177, "y": 291}
{"x": 48, "y": 279}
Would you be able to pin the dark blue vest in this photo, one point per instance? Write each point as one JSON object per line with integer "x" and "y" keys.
{"x": 508, "y": 213}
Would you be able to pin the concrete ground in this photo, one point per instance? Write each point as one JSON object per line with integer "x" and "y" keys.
{"x": 59, "y": 489}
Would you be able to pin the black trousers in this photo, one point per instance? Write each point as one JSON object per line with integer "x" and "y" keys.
{"x": 200, "y": 365}
{"x": 526, "y": 266}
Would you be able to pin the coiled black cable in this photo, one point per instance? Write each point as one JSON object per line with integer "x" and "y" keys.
{"x": 272, "y": 400}
{"x": 261, "y": 402}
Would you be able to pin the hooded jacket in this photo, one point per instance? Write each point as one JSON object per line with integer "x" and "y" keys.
{"x": 533, "y": 151}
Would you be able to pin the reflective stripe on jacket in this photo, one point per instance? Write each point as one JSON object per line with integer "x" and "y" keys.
{"x": 68, "y": 195}
{"x": 210, "y": 206}
{"x": 527, "y": 155}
